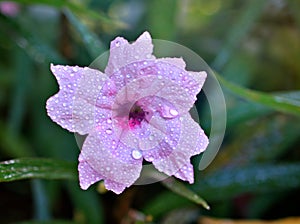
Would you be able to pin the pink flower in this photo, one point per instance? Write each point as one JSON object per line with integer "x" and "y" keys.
{"x": 9, "y": 8}
{"x": 138, "y": 109}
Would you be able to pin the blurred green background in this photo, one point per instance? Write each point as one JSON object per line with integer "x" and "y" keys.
{"x": 251, "y": 44}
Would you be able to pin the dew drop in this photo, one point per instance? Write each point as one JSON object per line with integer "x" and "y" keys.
{"x": 151, "y": 137}
{"x": 173, "y": 112}
{"x": 109, "y": 131}
{"x": 117, "y": 43}
{"x": 136, "y": 154}
{"x": 109, "y": 121}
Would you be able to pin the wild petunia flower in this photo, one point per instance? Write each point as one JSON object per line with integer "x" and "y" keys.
{"x": 138, "y": 109}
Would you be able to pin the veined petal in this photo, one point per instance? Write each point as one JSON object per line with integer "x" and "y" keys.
{"x": 110, "y": 159}
{"x": 192, "y": 141}
{"x": 73, "y": 107}
{"x": 123, "y": 53}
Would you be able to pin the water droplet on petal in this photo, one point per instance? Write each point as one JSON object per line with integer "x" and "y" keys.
{"x": 117, "y": 43}
{"x": 173, "y": 112}
{"x": 136, "y": 154}
{"x": 109, "y": 131}
{"x": 109, "y": 121}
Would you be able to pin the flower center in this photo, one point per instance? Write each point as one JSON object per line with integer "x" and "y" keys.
{"x": 136, "y": 116}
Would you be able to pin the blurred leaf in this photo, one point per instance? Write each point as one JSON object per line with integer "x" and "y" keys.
{"x": 209, "y": 220}
{"x": 243, "y": 111}
{"x": 87, "y": 204}
{"x": 12, "y": 145}
{"x": 25, "y": 168}
{"x": 256, "y": 178}
{"x": 264, "y": 140}
{"x": 277, "y": 102}
{"x": 165, "y": 202}
{"x": 23, "y": 71}
{"x": 179, "y": 188}
{"x": 25, "y": 36}
{"x": 78, "y": 8}
{"x": 90, "y": 40}
{"x": 227, "y": 183}
{"x": 162, "y": 18}
{"x": 259, "y": 205}
{"x": 40, "y": 200}
{"x": 244, "y": 22}
{"x": 47, "y": 222}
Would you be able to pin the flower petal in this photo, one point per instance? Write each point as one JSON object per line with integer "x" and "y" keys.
{"x": 176, "y": 161}
{"x": 87, "y": 175}
{"x": 74, "y": 105}
{"x": 186, "y": 173}
{"x": 123, "y": 53}
{"x": 110, "y": 159}
{"x": 179, "y": 62}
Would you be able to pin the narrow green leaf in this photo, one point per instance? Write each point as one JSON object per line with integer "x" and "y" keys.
{"x": 25, "y": 168}
{"x": 277, "y": 102}
{"x": 179, "y": 188}
{"x": 25, "y": 36}
{"x": 244, "y": 22}
{"x": 90, "y": 40}
{"x": 78, "y": 8}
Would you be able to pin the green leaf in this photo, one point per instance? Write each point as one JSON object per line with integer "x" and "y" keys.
{"x": 25, "y": 36}
{"x": 25, "y": 168}
{"x": 90, "y": 40}
{"x": 228, "y": 183}
{"x": 78, "y": 8}
{"x": 279, "y": 102}
{"x": 255, "y": 178}
{"x": 265, "y": 140}
{"x": 180, "y": 189}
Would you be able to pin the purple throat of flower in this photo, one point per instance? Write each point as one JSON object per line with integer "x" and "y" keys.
{"x": 136, "y": 110}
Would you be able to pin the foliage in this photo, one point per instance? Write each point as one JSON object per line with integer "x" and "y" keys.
{"x": 253, "y": 47}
